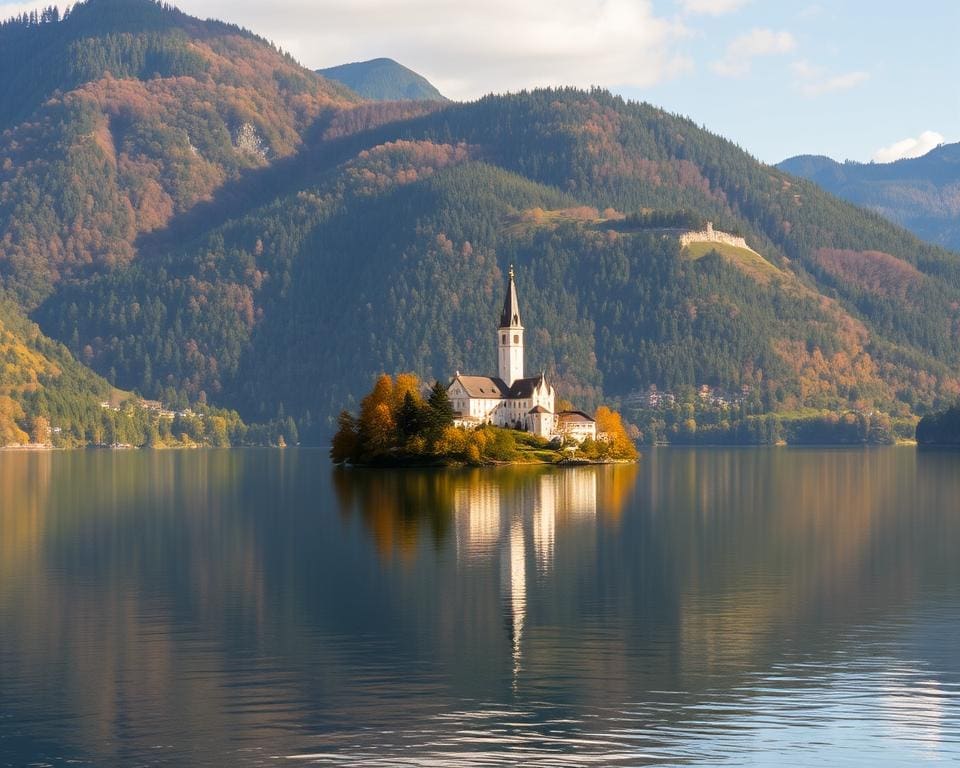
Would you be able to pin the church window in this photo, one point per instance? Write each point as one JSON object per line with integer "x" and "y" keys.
{"x": 503, "y": 338}
{"x": 516, "y": 338}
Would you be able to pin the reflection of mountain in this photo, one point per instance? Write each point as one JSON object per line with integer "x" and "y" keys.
{"x": 253, "y": 603}
{"x": 24, "y": 489}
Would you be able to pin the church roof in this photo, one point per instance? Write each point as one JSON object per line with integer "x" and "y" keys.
{"x": 483, "y": 386}
{"x": 574, "y": 416}
{"x": 510, "y": 316}
{"x": 491, "y": 386}
{"x": 538, "y": 409}
{"x": 524, "y": 387}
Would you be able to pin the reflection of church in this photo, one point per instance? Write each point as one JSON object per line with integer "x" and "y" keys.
{"x": 510, "y": 399}
{"x": 490, "y": 524}
{"x": 484, "y": 518}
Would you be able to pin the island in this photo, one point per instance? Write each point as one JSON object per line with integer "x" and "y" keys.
{"x": 940, "y": 430}
{"x": 397, "y": 426}
{"x": 508, "y": 418}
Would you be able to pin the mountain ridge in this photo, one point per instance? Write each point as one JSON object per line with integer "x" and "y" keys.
{"x": 921, "y": 194}
{"x": 383, "y": 79}
{"x": 251, "y": 235}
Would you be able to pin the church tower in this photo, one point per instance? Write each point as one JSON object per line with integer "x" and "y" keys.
{"x": 510, "y": 337}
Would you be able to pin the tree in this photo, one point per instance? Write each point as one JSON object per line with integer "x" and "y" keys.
{"x": 412, "y": 418}
{"x": 440, "y": 409}
{"x": 40, "y": 430}
{"x": 10, "y": 413}
{"x": 346, "y": 442}
{"x": 377, "y": 425}
{"x": 610, "y": 429}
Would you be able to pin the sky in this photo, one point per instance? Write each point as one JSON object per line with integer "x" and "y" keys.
{"x": 852, "y": 79}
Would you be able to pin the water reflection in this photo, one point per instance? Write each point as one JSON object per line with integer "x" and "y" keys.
{"x": 706, "y": 607}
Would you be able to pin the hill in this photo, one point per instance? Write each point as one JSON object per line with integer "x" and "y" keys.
{"x": 123, "y": 114}
{"x": 921, "y": 194}
{"x": 383, "y": 80}
{"x": 200, "y": 219}
{"x": 387, "y": 248}
{"x": 42, "y": 387}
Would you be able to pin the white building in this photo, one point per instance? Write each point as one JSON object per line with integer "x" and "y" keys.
{"x": 510, "y": 399}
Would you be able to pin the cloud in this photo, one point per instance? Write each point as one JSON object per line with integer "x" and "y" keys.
{"x": 905, "y": 148}
{"x": 815, "y": 81}
{"x": 743, "y": 50}
{"x": 711, "y": 7}
{"x": 468, "y": 49}
{"x": 8, "y": 10}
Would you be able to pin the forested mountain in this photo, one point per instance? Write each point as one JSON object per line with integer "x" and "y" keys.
{"x": 921, "y": 194}
{"x": 280, "y": 277}
{"x": 41, "y": 385}
{"x": 383, "y": 80}
{"x": 124, "y": 114}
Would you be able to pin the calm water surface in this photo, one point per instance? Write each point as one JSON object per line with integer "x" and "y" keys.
{"x": 763, "y": 607}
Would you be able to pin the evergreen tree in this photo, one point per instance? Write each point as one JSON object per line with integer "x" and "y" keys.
{"x": 440, "y": 414}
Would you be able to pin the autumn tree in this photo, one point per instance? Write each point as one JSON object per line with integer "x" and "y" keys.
{"x": 346, "y": 442}
{"x": 40, "y": 430}
{"x": 611, "y": 430}
{"x": 10, "y": 414}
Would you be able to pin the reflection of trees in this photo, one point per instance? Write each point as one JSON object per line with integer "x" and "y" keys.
{"x": 768, "y": 544}
{"x": 24, "y": 488}
{"x": 105, "y": 560}
{"x": 258, "y": 593}
{"x": 399, "y": 506}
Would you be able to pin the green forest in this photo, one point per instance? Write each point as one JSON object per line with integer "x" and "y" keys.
{"x": 201, "y": 221}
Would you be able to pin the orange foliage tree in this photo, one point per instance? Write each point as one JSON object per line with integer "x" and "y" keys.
{"x": 610, "y": 430}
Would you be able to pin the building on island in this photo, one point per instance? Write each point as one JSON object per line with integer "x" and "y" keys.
{"x": 510, "y": 399}
{"x": 576, "y": 425}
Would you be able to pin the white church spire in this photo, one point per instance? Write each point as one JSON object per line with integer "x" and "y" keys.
{"x": 510, "y": 336}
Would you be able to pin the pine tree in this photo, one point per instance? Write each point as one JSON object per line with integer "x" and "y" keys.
{"x": 440, "y": 409}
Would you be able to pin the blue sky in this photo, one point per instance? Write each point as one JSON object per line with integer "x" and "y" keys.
{"x": 855, "y": 78}
{"x": 850, "y": 79}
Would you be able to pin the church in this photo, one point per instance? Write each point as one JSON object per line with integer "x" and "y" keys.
{"x": 511, "y": 399}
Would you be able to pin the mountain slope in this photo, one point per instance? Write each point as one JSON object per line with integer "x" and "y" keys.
{"x": 197, "y": 217}
{"x": 42, "y": 386}
{"x": 387, "y": 250}
{"x": 124, "y": 114}
{"x": 383, "y": 80}
{"x": 921, "y": 194}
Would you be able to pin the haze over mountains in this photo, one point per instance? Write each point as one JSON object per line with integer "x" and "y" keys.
{"x": 195, "y": 216}
{"x": 383, "y": 80}
{"x": 921, "y": 193}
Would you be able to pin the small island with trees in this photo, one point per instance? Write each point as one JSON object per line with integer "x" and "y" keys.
{"x": 507, "y": 418}
{"x": 398, "y": 426}
{"x": 940, "y": 430}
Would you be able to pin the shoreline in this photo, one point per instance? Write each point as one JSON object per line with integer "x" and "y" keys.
{"x": 458, "y": 464}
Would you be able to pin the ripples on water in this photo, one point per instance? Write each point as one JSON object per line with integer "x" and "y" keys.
{"x": 256, "y": 608}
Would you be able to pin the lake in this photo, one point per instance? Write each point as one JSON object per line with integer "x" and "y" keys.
{"x": 704, "y": 607}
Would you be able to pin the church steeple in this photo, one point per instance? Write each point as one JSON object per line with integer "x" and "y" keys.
{"x": 510, "y": 316}
{"x": 510, "y": 336}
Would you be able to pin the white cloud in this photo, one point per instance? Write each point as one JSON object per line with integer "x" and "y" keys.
{"x": 743, "y": 50}
{"x": 842, "y": 82}
{"x": 815, "y": 81}
{"x": 468, "y": 49}
{"x": 9, "y": 10}
{"x": 905, "y": 148}
{"x": 711, "y": 7}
